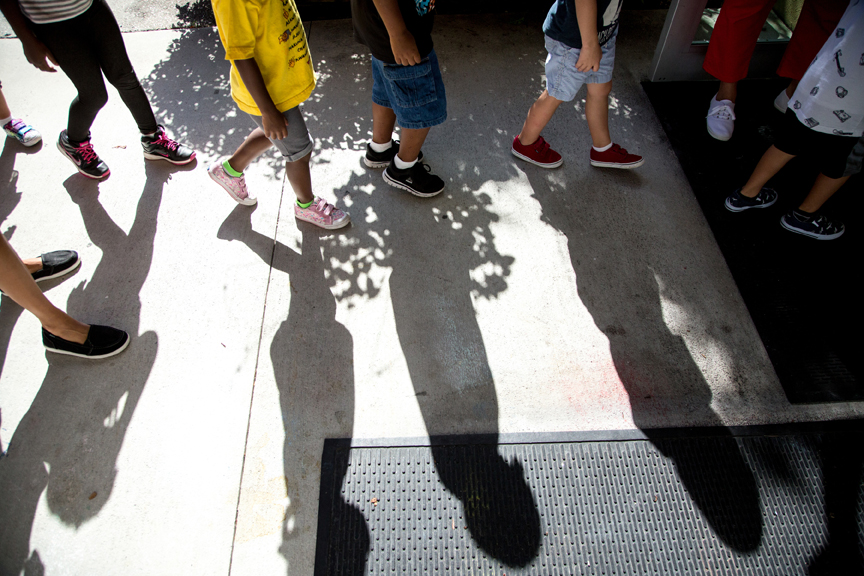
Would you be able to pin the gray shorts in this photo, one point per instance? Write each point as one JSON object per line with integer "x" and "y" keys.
{"x": 298, "y": 143}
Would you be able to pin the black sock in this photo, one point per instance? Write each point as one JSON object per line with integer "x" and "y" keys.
{"x": 802, "y": 216}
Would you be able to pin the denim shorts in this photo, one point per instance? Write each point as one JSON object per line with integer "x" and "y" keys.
{"x": 414, "y": 93}
{"x": 563, "y": 80}
{"x": 298, "y": 143}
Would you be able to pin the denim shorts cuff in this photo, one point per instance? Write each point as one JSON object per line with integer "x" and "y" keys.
{"x": 559, "y": 95}
{"x": 381, "y": 101}
{"x": 424, "y": 124}
{"x": 299, "y": 155}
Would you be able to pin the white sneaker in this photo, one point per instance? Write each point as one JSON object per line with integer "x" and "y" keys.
{"x": 721, "y": 119}
{"x": 781, "y": 102}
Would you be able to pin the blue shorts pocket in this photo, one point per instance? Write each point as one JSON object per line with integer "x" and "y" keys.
{"x": 411, "y": 86}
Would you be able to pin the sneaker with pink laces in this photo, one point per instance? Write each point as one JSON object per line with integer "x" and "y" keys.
{"x": 158, "y": 146}
{"x": 234, "y": 185}
{"x": 615, "y": 157}
{"x": 539, "y": 153}
{"x": 83, "y": 156}
{"x": 323, "y": 214}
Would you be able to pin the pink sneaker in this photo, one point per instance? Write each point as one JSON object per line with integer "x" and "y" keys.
{"x": 235, "y": 186}
{"x": 615, "y": 157}
{"x": 323, "y": 214}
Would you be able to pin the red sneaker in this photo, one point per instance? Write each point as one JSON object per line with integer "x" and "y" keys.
{"x": 615, "y": 157}
{"x": 538, "y": 153}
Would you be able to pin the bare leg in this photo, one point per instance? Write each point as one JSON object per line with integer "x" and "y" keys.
{"x": 33, "y": 264}
{"x": 300, "y": 178}
{"x": 538, "y": 116}
{"x": 822, "y": 190}
{"x": 771, "y": 163}
{"x": 727, "y": 91}
{"x": 17, "y": 283}
{"x": 597, "y": 113}
{"x": 383, "y": 122}
{"x": 412, "y": 141}
{"x": 4, "y": 107}
{"x": 254, "y": 145}
{"x": 793, "y": 84}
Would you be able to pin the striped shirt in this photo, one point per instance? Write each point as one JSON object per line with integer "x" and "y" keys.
{"x": 48, "y": 11}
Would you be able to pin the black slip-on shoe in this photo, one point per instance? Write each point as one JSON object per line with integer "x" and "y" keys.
{"x": 56, "y": 264}
{"x": 375, "y": 159}
{"x": 418, "y": 179}
{"x": 102, "y": 342}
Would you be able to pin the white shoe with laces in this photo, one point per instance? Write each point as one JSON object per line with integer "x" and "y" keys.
{"x": 721, "y": 119}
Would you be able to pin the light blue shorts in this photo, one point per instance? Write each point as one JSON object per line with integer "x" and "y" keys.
{"x": 563, "y": 81}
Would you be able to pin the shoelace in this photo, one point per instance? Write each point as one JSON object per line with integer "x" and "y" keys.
{"x": 722, "y": 112}
{"x": 85, "y": 149}
{"x": 165, "y": 142}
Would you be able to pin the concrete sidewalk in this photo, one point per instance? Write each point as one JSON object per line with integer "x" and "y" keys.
{"x": 520, "y": 300}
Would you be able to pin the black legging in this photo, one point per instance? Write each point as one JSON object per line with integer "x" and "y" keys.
{"x": 85, "y": 47}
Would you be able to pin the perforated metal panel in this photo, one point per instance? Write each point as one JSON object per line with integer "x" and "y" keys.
{"x": 711, "y": 505}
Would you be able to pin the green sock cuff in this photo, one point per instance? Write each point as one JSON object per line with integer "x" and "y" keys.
{"x": 230, "y": 170}
{"x": 306, "y": 205}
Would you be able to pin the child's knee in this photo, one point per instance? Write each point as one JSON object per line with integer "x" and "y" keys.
{"x": 600, "y": 90}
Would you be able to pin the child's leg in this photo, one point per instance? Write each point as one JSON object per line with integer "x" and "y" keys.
{"x": 538, "y": 116}
{"x": 4, "y": 108}
{"x": 78, "y": 61}
{"x": 822, "y": 190}
{"x": 300, "y": 178}
{"x": 254, "y": 145}
{"x": 17, "y": 282}
{"x": 597, "y": 113}
{"x": 411, "y": 142}
{"x": 770, "y": 164}
{"x": 110, "y": 50}
{"x": 383, "y": 123}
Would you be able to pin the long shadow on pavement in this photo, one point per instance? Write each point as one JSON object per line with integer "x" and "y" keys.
{"x": 68, "y": 442}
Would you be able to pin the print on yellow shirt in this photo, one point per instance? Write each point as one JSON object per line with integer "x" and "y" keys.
{"x": 271, "y": 32}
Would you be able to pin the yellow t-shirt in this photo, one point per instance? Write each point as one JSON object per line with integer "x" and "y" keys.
{"x": 270, "y": 31}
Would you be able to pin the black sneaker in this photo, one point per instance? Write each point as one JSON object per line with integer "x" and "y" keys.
{"x": 102, "y": 342}
{"x": 418, "y": 180}
{"x": 737, "y": 202}
{"x": 56, "y": 264}
{"x": 375, "y": 159}
{"x": 83, "y": 156}
{"x": 817, "y": 226}
{"x": 160, "y": 147}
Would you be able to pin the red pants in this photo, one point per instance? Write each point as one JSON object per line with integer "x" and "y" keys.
{"x": 738, "y": 27}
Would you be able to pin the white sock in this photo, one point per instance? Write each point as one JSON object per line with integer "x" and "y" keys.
{"x": 5, "y": 121}
{"x": 604, "y": 148}
{"x": 401, "y": 164}
{"x": 380, "y": 147}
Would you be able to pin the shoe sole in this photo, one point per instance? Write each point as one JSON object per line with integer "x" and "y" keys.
{"x": 400, "y": 185}
{"x": 541, "y": 164}
{"x": 717, "y": 136}
{"x": 733, "y": 208}
{"x": 617, "y": 164}
{"x": 63, "y": 151}
{"x": 174, "y": 162}
{"x": 326, "y": 226}
{"x": 374, "y": 164}
{"x": 101, "y": 356}
{"x": 242, "y": 201}
{"x": 61, "y": 273}
{"x": 811, "y": 234}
